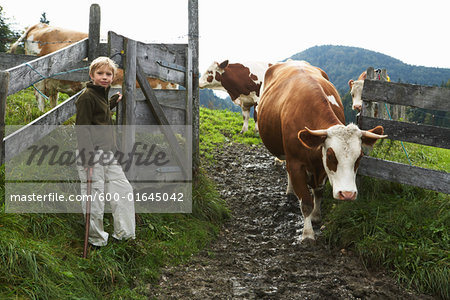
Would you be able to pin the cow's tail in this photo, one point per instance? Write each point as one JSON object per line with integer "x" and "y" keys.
{"x": 13, "y": 47}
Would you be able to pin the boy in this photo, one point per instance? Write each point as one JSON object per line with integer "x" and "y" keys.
{"x": 96, "y": 147}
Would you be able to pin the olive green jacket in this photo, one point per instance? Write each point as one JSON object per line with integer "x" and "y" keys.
{"x": 94, "y": 108}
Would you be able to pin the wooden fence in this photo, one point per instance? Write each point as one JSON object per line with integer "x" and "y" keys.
{"x": 417, "y": 96}
{"x": 174, "y": 63}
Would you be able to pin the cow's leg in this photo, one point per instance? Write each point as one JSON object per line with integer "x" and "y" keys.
{"x": 290, "y": 189}
{"x": 255, "y": 117}
{"x": 298, "y": 180}
{"x": 292, "y": 200}
{"x": 307, "y": 208}
{"x": 316, "y": 215}
{"x": 40, "y": 99}
{"x": 53, "y": 98}
{"x": 53, "y": 89}
{"x": 246, "y": 117}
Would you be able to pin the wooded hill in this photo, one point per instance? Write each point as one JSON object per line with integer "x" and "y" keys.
{"x": 342, "y": 63}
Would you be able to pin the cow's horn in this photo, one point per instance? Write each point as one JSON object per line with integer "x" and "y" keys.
{"x": 372, "y": 135}
{"x": 319, "y": 132}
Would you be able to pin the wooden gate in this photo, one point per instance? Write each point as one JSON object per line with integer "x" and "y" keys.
{"x": 170, "y": 62}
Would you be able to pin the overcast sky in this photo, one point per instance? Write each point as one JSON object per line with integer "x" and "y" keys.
{"x": 416, "y": 32}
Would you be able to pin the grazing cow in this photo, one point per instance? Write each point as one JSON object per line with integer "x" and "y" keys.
{"x": 241, "y": 81}
{"x": 301, "y": 119}
{"x": 42, "y": 39}
{"x": 356, "y": 88}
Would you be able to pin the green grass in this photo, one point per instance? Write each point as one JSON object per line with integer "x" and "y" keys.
{"x": 419, "y": 155}
{"x": 219, "y": 127}
{"x": 401, "y": 228}
{"x": 22, "y": 108}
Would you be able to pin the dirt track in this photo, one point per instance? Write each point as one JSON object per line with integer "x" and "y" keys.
{"x": 258, "y": 254}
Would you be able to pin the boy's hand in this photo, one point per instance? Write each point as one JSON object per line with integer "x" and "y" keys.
{"x": 120, "y": 97}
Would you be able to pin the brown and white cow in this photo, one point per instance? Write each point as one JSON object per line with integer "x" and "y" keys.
{"x": 356, "y": 88}
{"x": 301, "y": 120}
{"x": 242, "y": 81}
{"x": 42, "y": 39}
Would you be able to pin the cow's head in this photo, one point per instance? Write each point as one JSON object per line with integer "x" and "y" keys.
{"x": 341, "y": 153}
{"x": 356, "y": 88}
{"x": 211, "y": 79}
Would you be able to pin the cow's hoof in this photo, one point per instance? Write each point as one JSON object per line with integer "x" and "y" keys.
{"x": 308, "y": 234}
{"x": 308, "y": 241}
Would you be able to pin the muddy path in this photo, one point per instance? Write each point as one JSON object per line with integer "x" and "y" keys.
{"x": 258, "y": 254}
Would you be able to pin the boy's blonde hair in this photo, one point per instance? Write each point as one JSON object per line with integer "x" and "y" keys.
{"x": 102, "y": 61}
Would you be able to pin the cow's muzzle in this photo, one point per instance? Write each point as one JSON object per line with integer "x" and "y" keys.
{"x": 356, "y": 107}
{"x": 348, "y": 196}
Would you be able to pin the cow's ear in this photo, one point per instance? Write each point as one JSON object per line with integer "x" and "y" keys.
{"x": 363, "y": 76}
{"x": 309, "y": 140}
{"x": 350, "y": 83}
{"x": 224, "y": 64}
{"x": 369, "y": 137}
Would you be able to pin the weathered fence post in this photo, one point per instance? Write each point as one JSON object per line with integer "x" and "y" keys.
{"x": 128, "y": 101}
{"x": 94, "y": 31}
{"x": 368, "y": 108}
{"x": 193, "y": 45}
{"x": 4, "y": 83}
{"x": 189, "y": 104}
{"x": 129, "y": 82}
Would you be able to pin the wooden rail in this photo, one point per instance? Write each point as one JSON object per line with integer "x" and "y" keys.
{"x": 407, "y": 95}
{"x": 27, "y": 135}
{"x": 24, "y": 75}
{"x": 150, "y": 55}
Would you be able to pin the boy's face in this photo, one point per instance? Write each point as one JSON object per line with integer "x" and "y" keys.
{"x": 103, "y": 76}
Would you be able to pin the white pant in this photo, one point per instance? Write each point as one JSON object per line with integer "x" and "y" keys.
{"x": 108, "y": 182}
